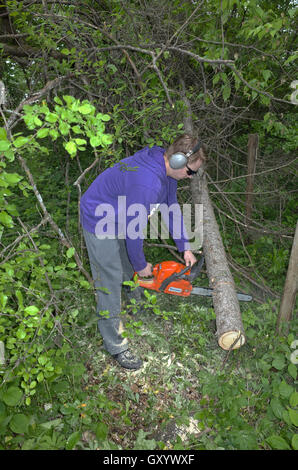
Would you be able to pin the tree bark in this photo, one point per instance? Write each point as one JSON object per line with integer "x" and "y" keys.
{"x": 291, "y": 286}
{"x": 253, "y": 141}
{"x": 230, "y": 331}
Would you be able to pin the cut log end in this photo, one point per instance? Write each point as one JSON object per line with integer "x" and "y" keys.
{"x": 231, "y": 340}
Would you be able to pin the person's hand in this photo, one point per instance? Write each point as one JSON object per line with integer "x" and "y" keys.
{"x": 147, "y": 271}
{"x": 189, "y": 258}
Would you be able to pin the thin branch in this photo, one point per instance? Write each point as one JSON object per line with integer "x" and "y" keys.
{"x": 53, "y": 224}
{"x": 261, "y": 92}
{"x": 36, "y": 97}
{"x": 255, "y": 174}
{"x": 199, "y": 58}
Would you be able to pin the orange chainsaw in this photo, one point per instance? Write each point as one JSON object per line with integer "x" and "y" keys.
{"x": 175, "y": 278}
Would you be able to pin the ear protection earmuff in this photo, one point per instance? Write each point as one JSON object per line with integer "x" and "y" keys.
{"x": 179, "y": 160}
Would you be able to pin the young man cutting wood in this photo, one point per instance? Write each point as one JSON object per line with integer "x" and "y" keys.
{"x": 114, "y": 235}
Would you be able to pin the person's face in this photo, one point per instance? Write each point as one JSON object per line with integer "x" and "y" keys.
{"x": 187, "y": 172}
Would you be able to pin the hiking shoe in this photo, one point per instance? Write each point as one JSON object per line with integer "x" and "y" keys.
{"x": 127, "y": 360}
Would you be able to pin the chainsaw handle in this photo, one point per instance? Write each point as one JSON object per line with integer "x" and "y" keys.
{"x": 172, "y": 278}
{"x": 196, "y": 269}
{"x": 177, "y": 275}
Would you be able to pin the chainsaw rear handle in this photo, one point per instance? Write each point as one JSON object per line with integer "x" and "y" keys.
{"x": 194, "y": 272}
{"x": 196, "y": 269}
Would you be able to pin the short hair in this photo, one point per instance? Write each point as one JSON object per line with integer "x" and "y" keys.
{"x": 185, "y": 143}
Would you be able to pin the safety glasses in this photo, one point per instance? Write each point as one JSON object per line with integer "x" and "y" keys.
{"x": 190, "y": 172}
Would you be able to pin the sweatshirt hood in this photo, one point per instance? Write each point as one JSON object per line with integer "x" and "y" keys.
{"x": 151, "y": 158}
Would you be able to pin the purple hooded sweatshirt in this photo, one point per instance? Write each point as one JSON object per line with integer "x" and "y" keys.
{"x": 139, "y": 179}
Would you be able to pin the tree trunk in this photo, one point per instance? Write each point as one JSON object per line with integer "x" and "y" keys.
{"x": 253, "y": 141}
{"x": 230, "y": 331}
{"x": 291, "y": 286}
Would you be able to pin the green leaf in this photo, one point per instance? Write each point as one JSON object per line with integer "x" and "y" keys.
{"x": 77, "y": 129}
{"x": 266, "y": 74}
{"x": 54, "y": 134}
{"x": 107, "y": 139}
{"x": 295, "y": 442}
{"x": 105, "y": 117}
{"x": 9, "y": 154}
{"x": 286, "y": 417}
{"x": 277, "y": 442}
{"x": 216, "y": 79}
{"x": 291, "y": 58}
{"x": 226, "y": 92}
{"x": 12, "y": 396}
{"x": 31, "y": 310}
{"x": 19, "y": 423}
{"x": 85, "y": 284}
{"x": 58, "y": 101}
{"x": 101, "y": 431}
{"x": 71, "y": 147}
{"x": 95, "y": 141}
{"x": 4, "y": 145}
{"x": 278, "y": 363}
{"x": 64, "y": 128}
{"x": 11, "y": 208}
{"x": 21, "y": 333}
{"x": 244, "y": 439}
{"x": 73, "y": 440}
{"x": 72, "y": 265}
{"x": 142, "y": 443}
{"x": 42, "y": 360}
{"x": 37, "y": 121}
{"x": 51, "y": 117}
{"x": 285, "y": 390}
{"x": 80, "y": 141}
{"x": 292, "y": 369}
{"x": 293, "y": 416}
{"x": 12, "y": 178}
{"x": 40, "y": 377}
{"x": 68, "y": 99}
{"x": 42, "y": 133}
{"x": 3, "y": 134}
{"x": 2, "y": 410}
{"x": 3, "y": 184}
{"x": 277, "y": 408}
{"x": 53, "y": 423}
{"x": 6, "y": 219}
{"x": 294, "y": 399}
{"x": 19, "y": 296}
{"x": 70, "y": 252}
{"x": 20, "y": 141}
{"x": 86, "y": 109}
{"x": 3, "y": 300}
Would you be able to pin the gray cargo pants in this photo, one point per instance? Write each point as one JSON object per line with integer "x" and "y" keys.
{"x": 110, "y": 266}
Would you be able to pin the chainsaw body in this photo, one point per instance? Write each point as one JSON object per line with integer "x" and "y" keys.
{"x": 174, "y": 278}
{"x": 169, "y": 277}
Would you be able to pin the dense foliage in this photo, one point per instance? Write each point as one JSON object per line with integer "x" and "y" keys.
{"x": 82, "y": 86}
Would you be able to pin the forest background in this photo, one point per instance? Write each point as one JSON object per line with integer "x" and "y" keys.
{"x": 84, "y": 84}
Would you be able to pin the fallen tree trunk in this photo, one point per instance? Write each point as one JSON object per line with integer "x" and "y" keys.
{"x": 230, "y": 331}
